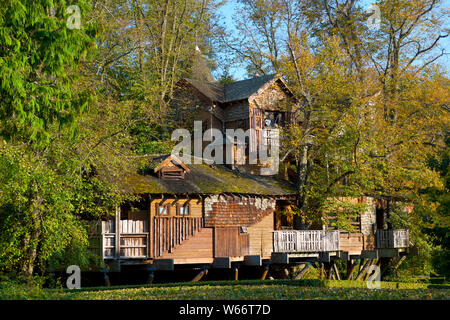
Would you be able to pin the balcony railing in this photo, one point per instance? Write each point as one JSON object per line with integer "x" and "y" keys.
{"x": 392, "y": 239}
{"x": 306, "y": 241}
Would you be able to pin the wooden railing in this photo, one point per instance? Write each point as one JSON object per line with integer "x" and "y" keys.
{"x": 168, "y": 232}
{"x": 306, "y": 241}
{"x": 392, "y": 239}
{"x": 134, "y": 238}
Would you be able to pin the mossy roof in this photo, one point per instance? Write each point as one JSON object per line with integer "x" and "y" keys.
{"x": 205, "y": 179}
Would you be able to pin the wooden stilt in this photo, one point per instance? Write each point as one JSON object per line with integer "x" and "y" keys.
{"x": 336, "y": 271}
{"x": 265, "y": 272}
{"x": 302, "y": 273}
{"x": 351, "y": 266}
{"x": 399, "y": 262}
{"x": 374, "y": 261}
{"x": 236, "y": 273}
{"x": 322, "y": 272}
{"x": 363, "y": 270}
{"x": 200, "y": 275}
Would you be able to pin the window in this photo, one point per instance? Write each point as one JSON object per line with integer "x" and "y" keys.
{"x": 183, "y": 210}
{"x": 162, "y": 210}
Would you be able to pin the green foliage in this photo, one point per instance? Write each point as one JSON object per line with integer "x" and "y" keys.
{"x": 16, "y": 287}
{"x": 36, "y": 220}
{"x": 38, "y": 60}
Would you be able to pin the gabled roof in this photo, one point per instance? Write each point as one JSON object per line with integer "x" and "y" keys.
{"x": 171, "y": 158}
{"x": 234, "y": 91}
{"x": 244, "y": 89}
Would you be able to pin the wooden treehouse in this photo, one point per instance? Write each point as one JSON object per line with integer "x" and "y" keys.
{"x": 224, "y": 216}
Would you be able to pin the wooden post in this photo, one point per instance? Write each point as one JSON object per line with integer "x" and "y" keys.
{"x": 236, "y": 273}
{"x": 200, "y": 275}
{"x": 399, "y": 262}
{"x": 322, "y": 271}
{"x": 265, "y": 272}
{"x": 363, "y": 270}
{"x": 302, "y": 273}
{"x": 117, "y": 229}
{"x": 336, "y": 271}
{"x": 351, "y": 266}
{"x": 286, "y": 273}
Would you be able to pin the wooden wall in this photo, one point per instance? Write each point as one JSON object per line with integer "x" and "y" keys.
{"x": 230, "y": 242}
{"x": 196, "y": 208}
{"x": 353, "y": 243}
{"x": 273, "y": 98}
{"x": 261, "y": 237}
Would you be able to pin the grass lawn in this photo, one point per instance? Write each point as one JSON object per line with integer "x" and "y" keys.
{"x": 242, "y": 290}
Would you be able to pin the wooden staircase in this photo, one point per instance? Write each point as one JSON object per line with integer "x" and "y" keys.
{"x": 173, "y": 231}
{"x": 197, "y": 247}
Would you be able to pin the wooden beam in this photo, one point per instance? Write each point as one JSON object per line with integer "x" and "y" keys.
{"x": 280, "y": 258}
{"x": 286, "y": 273}
{"x": 176, "y": 199}
{"x": 369, "y": 254}
{"x": 303, "y": 271}
{"x": 200, "y": 275}
{"x": 336, "y": 271}
{"x": 364, "y": 270}
{"x": 222, "y": 263}
{"x": 253, "y": 260}
{"x": 164, "y": 264}
{"x": 388, "y": 253}
{"x": 265, "y": 272}
{"x": 351, "y": 266}
{"x": 399, "y": 262}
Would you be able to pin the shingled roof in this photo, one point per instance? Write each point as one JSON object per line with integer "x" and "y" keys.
{"x": 234, "y": 91}
{"x": 205, "y": 179}
{"x": 244, "y": 89}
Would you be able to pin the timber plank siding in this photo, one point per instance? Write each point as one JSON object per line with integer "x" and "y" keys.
{"x": 230, "y": 242}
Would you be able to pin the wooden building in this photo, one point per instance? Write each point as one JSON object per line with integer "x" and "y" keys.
{"x": 213, "y": 216}
{"x": 222, "y": 216}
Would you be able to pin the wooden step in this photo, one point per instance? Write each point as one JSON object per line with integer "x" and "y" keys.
{"x": 198, "y": 246}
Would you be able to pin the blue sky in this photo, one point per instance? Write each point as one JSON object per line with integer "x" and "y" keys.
{"x": 239, "y": 73}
